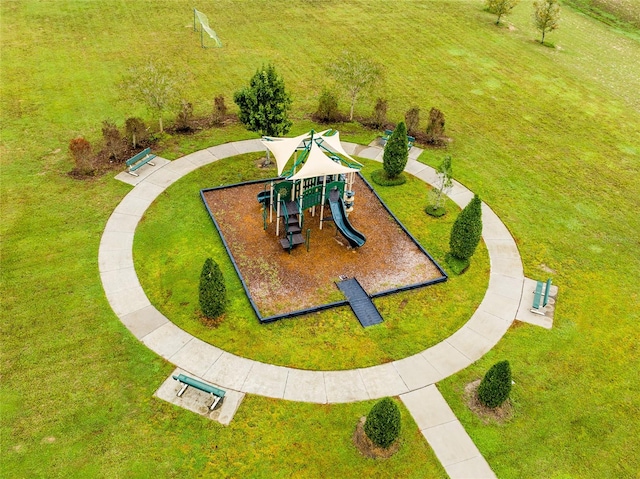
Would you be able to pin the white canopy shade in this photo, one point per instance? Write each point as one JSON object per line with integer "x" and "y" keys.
{"x": 319, "y": 164}
{"x": 334, "y": 143}
{"x": 283, "y": 148}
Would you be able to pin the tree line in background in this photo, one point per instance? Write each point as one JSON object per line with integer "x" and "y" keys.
{"x": 263, "y": 105}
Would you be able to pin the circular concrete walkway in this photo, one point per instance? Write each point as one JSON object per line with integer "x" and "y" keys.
{"x": 128, "y": 300}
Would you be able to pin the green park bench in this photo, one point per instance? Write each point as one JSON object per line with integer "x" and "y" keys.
{"x": 136, "y": 161}
{"x": 540, "y": 298}
{"x": 387, "y": 134}
{"x": 186, "y": 381}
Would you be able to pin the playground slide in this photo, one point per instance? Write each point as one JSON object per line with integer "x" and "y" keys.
{"x": 355, "y": 238}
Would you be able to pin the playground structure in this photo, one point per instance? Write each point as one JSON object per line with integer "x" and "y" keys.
{"x": 321, "y": 174}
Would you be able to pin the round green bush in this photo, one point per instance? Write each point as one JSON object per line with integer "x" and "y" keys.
{"x": 495, "y": 387}
{"x": 396, "y": 152}
{"x": 380, "y": 177}
{"x": 467, "y": 230}
{"x": 435, "y": 211}
{"x": 383, "y": 423}
{"x": 213, "y": 292}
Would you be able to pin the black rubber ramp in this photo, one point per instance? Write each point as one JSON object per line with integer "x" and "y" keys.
{"x": 360, "y": 302}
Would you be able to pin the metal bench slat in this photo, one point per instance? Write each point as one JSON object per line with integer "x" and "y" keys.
{"x": 138, "y": 156}
{"x": 200, "y": 385}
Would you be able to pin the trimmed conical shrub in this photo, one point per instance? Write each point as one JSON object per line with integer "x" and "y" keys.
{"x": 396, "y": 152}
{"x": 213, "y": 293}
{"x": 495, "y": 387}
{"x": 466, "y": 230}
{"x": 383, "y": 423}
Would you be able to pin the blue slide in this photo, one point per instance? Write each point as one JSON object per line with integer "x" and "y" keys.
{"x": 355, "y": 238}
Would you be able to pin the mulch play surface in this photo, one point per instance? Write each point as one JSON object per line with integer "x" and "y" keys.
{"x": 280, "y": 282}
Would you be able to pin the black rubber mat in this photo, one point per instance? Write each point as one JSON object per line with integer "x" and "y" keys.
{"x": 360, "y": 302}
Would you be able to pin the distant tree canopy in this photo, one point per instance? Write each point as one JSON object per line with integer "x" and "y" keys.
{"x": 355, "y": 73}
{"x": 264, "y": 104}
{"x": 546, "y": 16}
{"x": 500, "y": 7}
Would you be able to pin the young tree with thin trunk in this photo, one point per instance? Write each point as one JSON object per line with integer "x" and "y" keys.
{"x": 444, "y": 183}
{"x": 546, "y": 16}
{"x": 500, "y": 7}
{"x": 355, "y": 73}
{"x": 153, "y": 85}
{"x": 136, "y": 131}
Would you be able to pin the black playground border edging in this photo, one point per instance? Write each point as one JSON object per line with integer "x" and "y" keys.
{"x": 322, "y": 307}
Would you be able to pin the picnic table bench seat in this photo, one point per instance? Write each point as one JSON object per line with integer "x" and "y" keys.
{"x": 138, "y": 160}
{"x": 187, "y": 381}
{"x": 541, "y": 296}
{"x": 387, "y": 134}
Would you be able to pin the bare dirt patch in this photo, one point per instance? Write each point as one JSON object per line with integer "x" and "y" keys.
{"x": 280, "y": 282}
{"x": 368, "y": 448}
{"x": 500, "y": 414}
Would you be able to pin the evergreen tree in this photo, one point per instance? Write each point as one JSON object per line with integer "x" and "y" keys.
{"x": 383, "y": 423}
{"x": 213, "y": 292}
{"x": 466, "y": 230}
{"x": 264, "y": 104}
{"x": 495, "y": 387}
{"x": 396, "y": 152}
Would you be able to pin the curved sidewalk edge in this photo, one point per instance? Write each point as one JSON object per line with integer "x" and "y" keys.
{"x": 125, "y": 295}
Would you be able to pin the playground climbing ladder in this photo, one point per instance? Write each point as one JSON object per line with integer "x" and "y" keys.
{"x": 360, "y": 302}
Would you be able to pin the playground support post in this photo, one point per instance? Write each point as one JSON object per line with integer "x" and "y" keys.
{"x": 324, "y": 189}
{"x": 278, "y": 217}
{"x": 271, "y": 203}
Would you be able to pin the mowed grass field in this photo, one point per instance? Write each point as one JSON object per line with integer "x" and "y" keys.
{"x": 549, "y": 138}
{"x": 329, "y": 340}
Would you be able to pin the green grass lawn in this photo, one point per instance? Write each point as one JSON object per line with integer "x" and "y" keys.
{"x": 169, "y": 271}
{"x": 547, "y": 136}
